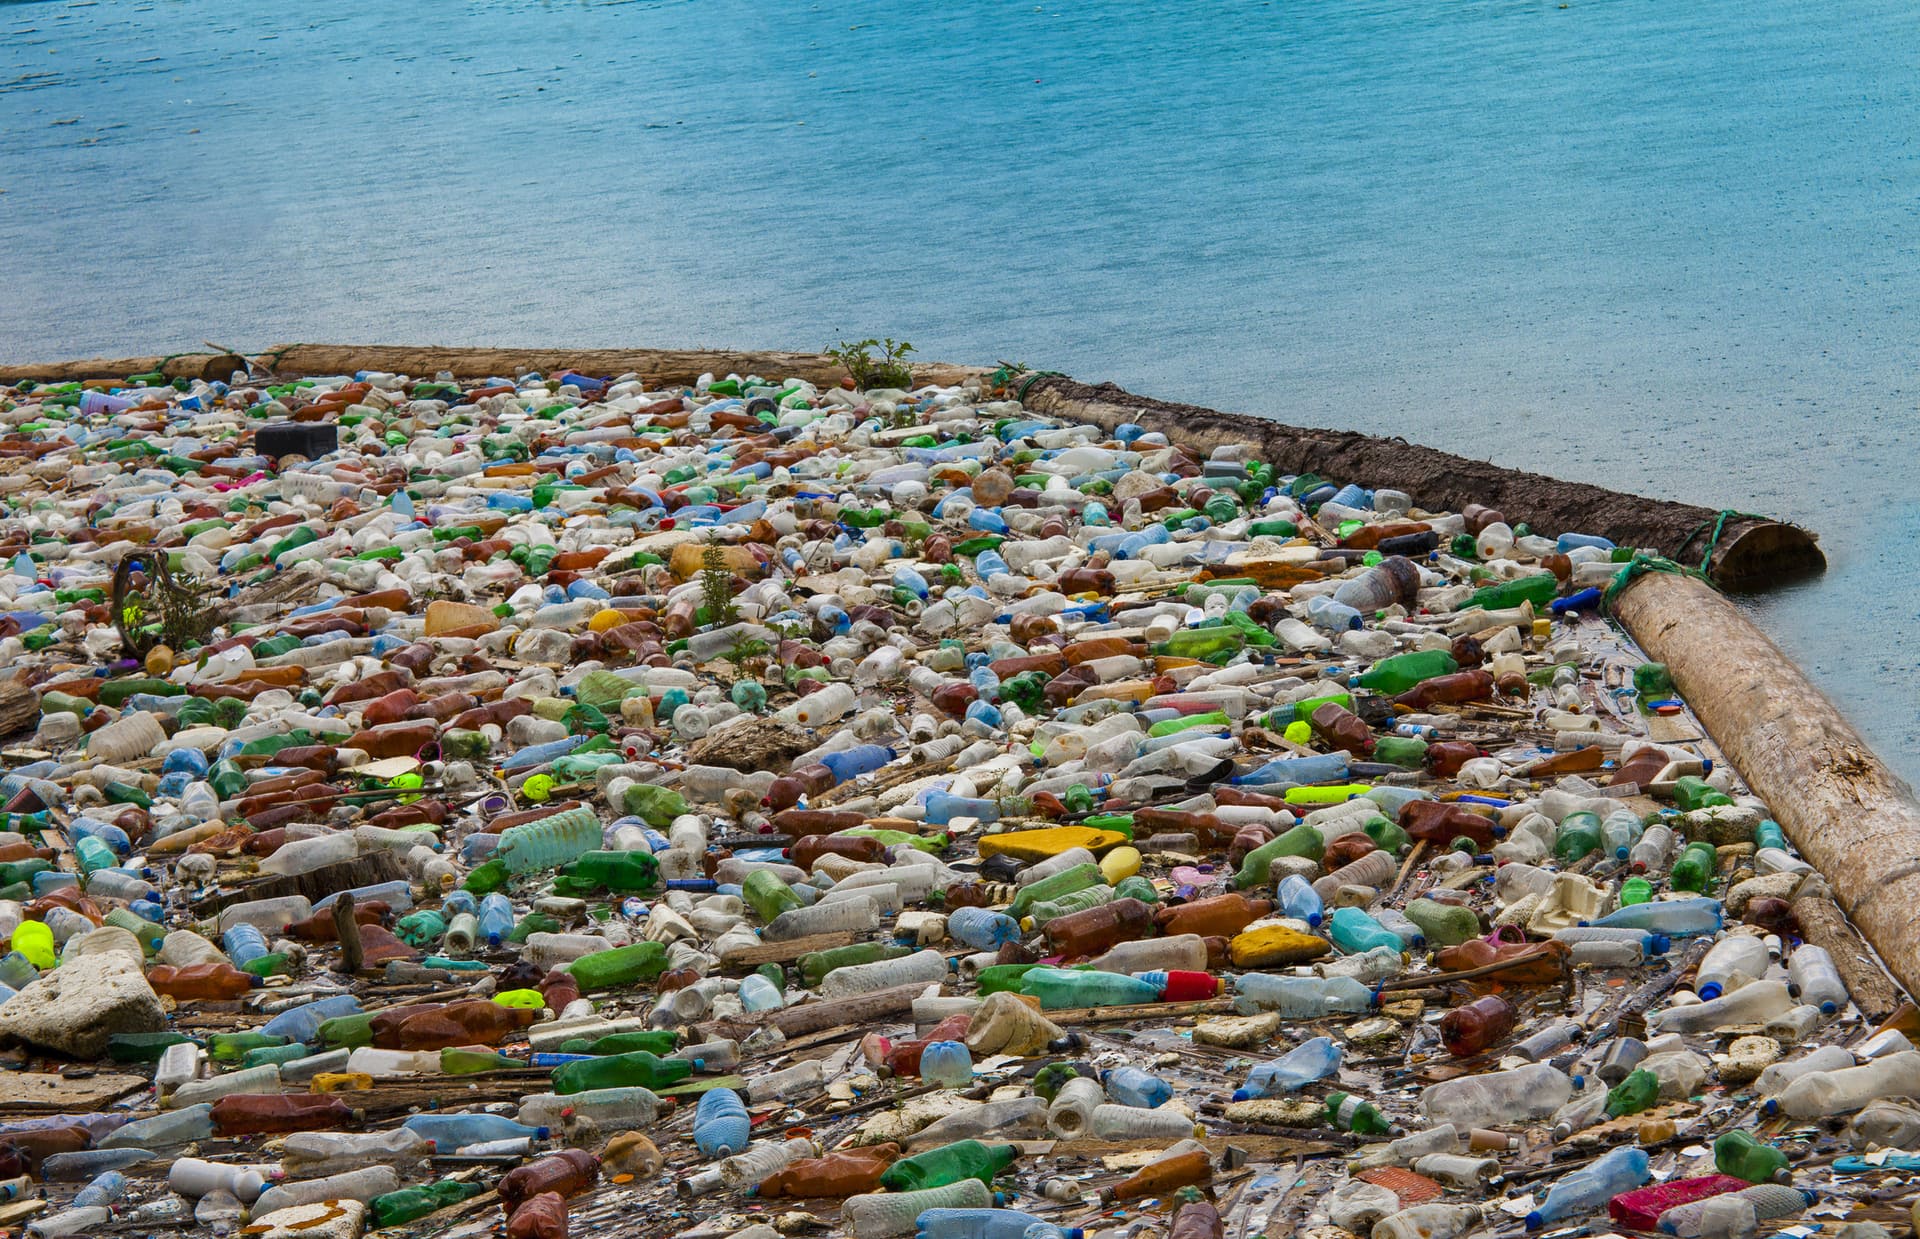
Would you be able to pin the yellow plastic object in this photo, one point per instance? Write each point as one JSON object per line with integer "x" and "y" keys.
{"x": 1339, "y": 794}
{"x": 1118, "y": 865}
{"x": 1275, "y": 946}
{"x": 538, "y": 789}
{"x": 521, "y": 999}
{"x": 602, "y": 621}
{"x": 1034, "y": 845}
{"x": 341, "y": 1082}
{"x": 35, "y": 941}
{"x": 1299, "y": 731}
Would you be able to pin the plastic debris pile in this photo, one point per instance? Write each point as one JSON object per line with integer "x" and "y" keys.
{"x": 752, "y": 809}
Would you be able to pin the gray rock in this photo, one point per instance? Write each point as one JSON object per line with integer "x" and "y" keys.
{"x": 76, "y": 1007}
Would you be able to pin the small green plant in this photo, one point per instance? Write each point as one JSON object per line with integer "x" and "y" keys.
{"x": 716, "y": 587}
{"x": 889, "y": 369}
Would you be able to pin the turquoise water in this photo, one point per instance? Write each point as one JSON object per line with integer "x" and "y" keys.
{"x": 1665, "y": 247}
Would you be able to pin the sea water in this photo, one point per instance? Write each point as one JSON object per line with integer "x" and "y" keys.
{"x": 1665, "y": 247}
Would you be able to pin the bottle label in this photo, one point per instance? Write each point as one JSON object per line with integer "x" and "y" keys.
{"x": 1344, "y": 1113}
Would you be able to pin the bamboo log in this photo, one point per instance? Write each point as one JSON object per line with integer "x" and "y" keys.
{"x": 1851, "y": 817}
{"x": 1749, "y": 553}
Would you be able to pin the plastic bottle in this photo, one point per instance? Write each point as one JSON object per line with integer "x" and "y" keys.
{"x": 949, "y": 1163}
{"x": 550, "y": 842}
{"x": 1497, "y": 1098}
{"x": 1476, "y": 1026}
{"x": 980, "y": 1223}
{"x": 887, "y": 1214}
{"x": 1305, "y": 1064}
{"x": 947, "y": 1064}
{"x": 1587, "y": 1189}
{"x": 1735, "y": 1214}
{"x": 1815, "y": 980}
{"x": 1300, "y": 998}
{"x": 1739, "y": 1154}
{"x": 1847, "y": 1089}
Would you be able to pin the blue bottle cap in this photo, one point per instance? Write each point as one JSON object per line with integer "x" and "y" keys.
{"x": 1535, "y": 1221}
{"x": 1241, "y": 1094}
{"x": 1710, "y": 991}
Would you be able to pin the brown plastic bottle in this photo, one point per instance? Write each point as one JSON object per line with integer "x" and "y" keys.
{"x": 542, "y": 1217}
{"x": 800, "y": 823}
{"x": 1340, "y": 728}
{"x": 1523, "y": 963}
{"x": 903, "y": 1058}
{"x": 478, "y": 1022}
{"x": 1218, "y": 914}
{"x": 1209, "y": 829}
{"x": 36, "y": 1146}
{"x": 1085, "y": 580}
{"x": 1100, "y": 929}
{"x": 204, "y": 981}
{"x": 1470, "y": 1029}
{"x": 1467, "y": 652}
{"x": 1461, "y": 686}
{"x": 953, "y": 697}
{"x": 1478, "y": 517}
{"x": 1641, "y": 768}
{"x": 392, "y": 708}
{"x": 379, "y": 684}
{"x": 1345, "y": 850}
{"x": 1102, "y": 647}
{"x": 1367, "y": 537}
{"x": 1442, "y": 823}
{"x": 1026, "y": 629}
{"x": 853, "y": 847}
{"x": 1050, "y": 663}
{"x": 259, "y": 1114}
{"x": 1445, "y": 758}
{"x": 1241, "y": 796}
{"x": 384, "y": 1028}
{"x": 787, "y": 790}
{"x": 1246, "y": 840}
{"x": 566, "y": 1172}
{"x": 1198, "y": 1220}
{"x": 1162, "y": 1178}
{"x": 851, "y": 1172}
{"x": 398, "y": 739}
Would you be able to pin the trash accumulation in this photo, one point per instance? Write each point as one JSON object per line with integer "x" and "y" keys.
{"x": 547, "y": 803}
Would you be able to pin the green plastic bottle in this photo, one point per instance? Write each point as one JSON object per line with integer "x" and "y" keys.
{"x": 1047, "y": 910}
{"x": 815, "y": 965}
{"x": 619, "y": 967}
{"x": 1635, "y": 890}
{"x": 1173, "y": 726}
{"x": 657, "y": 805}
{"x": 346, "y": 1032}
{"x": 620, "y": 1071}
{"x": 422, "y": 928}
{"x": 1637, "y": 1092}
{"x": 143, "y": 1047}
{"x": 995, "y": 978}
{"x": 1407, "y": 752}
{"x": 410, "y": 1204}
{"x": 487, "y": 877}
{"x": 1539, "y": 590}
{"x": 1202, "y": 643}
{"x": 1691, "y": 792}
{"x": 950, "y": 1163}
{"x": 1349, "y": 1113}
{"x": 1056, "y": 886}
{"x": 1386, "y": 835}
{"x": 1696, "y": 868}
{"x": 232, "y": 1047}
{"x": 1741, "y": 1155}
{"x": 227, "y": 779}
{"x": 767, "y": 895}
{"x": 1395, "y": 675}
{"x": 1445, "y": 924}
{"x": 1302, "y": 840}
{"x": 619, "y": 872}
{"x": 661, "y": 1041}
{"x": 463, "y": 1062}
{"x": 1579, "y": 835}
{"x": 1137, "y": 887}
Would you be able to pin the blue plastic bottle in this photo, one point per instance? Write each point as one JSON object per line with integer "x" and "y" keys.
{"x": 856, "y": 761}
{"x": 982, "y": 1224}
{"x": 721, "y": 1127}
{"x": 1304, "y": 1064}
{"x": 302, "y": 1023}
{"x": 1588, "y": 1189}
{"x": 1676, "y": 918}
{"x": 947, "y": 1064}
{"x": 1130, "y": 1086}
{"x": 451, "y": 1131}
{"x": 982, "y": 928}
{"x": 1322, "y": 768}
{"x": 243, "y": 944}
{"x": 551, "y": 841}
{"x": 496, "y": 919}
{"x": 943, "y": 807}
{"x": 1354, "y": 932}
{"x": 1299, "y": 900}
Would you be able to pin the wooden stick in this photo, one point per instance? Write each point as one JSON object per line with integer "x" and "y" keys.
{"x": 347, "y": 929}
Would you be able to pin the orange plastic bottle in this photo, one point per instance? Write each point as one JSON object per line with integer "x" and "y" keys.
{"x": 1219, "y": 914}
{"x": 1461, "y": 686}
{"x": 852, "y": 1172}
{"x": 542, "y": 1217}
{"x": 1162, "y": 1178}
{"x": 1100, "y": 929}
{"x": 903, "y": 1058}
{"x": 566, "y": 1172}
{"x": 207, "y": 981}
{"x": 1442, "y": 823}
{"x": 1469, "y": 1029}
{"x": 1340, "y": 728}
{"x": 853, "y": 847}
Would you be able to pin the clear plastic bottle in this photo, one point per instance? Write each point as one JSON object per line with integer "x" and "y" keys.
{"x": 1299, "y": 998}
{"x": 1733, "y": 1215}
{"x": 1122, "y": 1123}
{"x": 550, "y": 842}
{"x": 1497, "y": 1098}
{"x": 362, "y": 1185}
{"x": 886, "y": 1215}
{"x": 611, "y": 1109}
{"x": 1815, "y": 980}
{"x": 1736, "y": 956}
{"x": 840, "y": 916}
{"x": 1820, "y": 1093}
{"x": 756, "y": 1162}
{"x": 317, "y": 1154}
{"x": 922, "y": 966}
{"x": 1750, "y": 1004}
{"x": 1071, "y": 1114}
{"x": 162, "y": 1131}
{"x": 191, "y": 1176}
{"x": 1588, "y": 1189}
{"x": 1306, "y": 1063}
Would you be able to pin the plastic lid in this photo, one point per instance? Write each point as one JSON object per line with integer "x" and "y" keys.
{"x": 540, "y": 1133}
{"x": 1314, "y": 919}
{"x": 1535, "y": 1221}
{"x": 1829, "y": 1007}
{"x": 1241, "y": 1094}
{"x": 1709, "y": 991}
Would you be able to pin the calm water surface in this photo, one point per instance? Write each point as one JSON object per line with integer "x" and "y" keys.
{"x": 1664, "y": 247}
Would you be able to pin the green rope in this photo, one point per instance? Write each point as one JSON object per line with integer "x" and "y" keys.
{"x": 1020, "y": 393}
{"x": 1719, "y": 524}
{"x": 1637, "y": 567}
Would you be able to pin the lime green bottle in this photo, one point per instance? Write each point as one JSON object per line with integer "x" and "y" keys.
{"x": 232, "y": 1047}
{"x": 463, "y": 1062}
{"x": 1302, "y": 840}
{"x": 1065, "y": 882}
{"x": 1445, "y": 924}
{"x": 1173, "y": 726}
{"x": 657, "y": 805}
{"x": 1635, "y": 890}
{"x": 1202, "y": 643}
{"x": 1539, "y": 590}
{"x": 1696, "y": 868}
